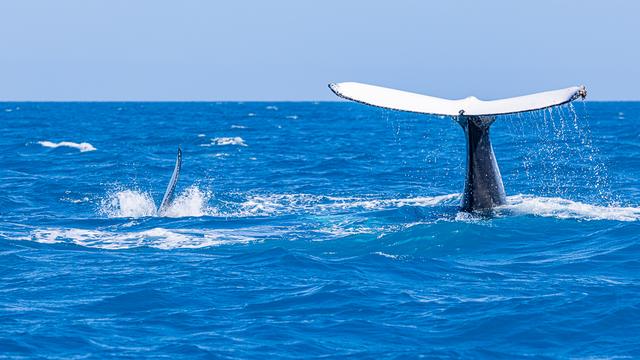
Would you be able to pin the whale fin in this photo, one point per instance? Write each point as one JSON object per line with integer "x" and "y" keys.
{"x": 471, "y": 106}
{"x": 171, "y": 187}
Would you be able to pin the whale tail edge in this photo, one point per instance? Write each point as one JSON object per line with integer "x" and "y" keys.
{"x": 471, "y": 106}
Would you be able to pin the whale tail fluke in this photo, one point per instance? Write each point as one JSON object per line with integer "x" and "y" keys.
{"x": 483, "y": 185}
{"x": 171, "y": 187}
{"x": 470, "y": 106}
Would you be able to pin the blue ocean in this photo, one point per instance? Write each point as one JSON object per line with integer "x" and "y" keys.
{"x": 314, "y": 230}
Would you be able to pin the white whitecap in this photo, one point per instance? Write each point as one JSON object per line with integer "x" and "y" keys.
{"x": 223, "y": 141}
{"x": 238, "y": 127}
{"x": 568, "y": 209}
{"x": 75, "y": 201}
{"x": 383, "y": 254}
{"x": 160, "y": 238}
{"x": 83, "y": 146}
{"x": 277, "y": 204}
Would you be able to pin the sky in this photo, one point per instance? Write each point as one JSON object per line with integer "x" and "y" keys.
{"x": 187, "y": 50}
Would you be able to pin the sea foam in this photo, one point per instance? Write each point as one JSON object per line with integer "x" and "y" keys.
{"x": 158, "y": 237}
{"x": 83, "y": 146}
{"x": 567, "y": 209}
{"x": 194, "y": 201}
{"x": 223, "y": 141}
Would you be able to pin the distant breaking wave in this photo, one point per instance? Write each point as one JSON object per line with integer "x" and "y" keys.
{"x": 83, "y": 147}
{"x": 222, "y": 141}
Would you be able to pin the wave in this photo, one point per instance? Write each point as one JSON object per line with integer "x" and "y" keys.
{"x": 192, "y": 202}
{"x": 568, "y": 209}
{"x": 195, "y": 202}
{"x": 325, "y": 218}
{"x": 83, "y": 146}
{"x": 282, "y": 204}
{"x": 75, "y": 201}
{"x": 223, "y": 141}
{"x": 383, "y": 254}
{"x": 160, "y": 238}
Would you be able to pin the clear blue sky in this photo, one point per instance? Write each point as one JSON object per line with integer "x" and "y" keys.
{"x": 290, "y": 50}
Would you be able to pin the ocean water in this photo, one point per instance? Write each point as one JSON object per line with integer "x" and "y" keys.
{"x": 307, "y": 230}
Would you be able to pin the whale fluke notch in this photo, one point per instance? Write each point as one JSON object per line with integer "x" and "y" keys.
{"x": 483, "y": 185}
{"x": 171, "y": 187}
{"x": 471, "y": 106}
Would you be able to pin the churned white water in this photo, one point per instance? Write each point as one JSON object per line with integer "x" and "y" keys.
{"x": 135, "y": 203}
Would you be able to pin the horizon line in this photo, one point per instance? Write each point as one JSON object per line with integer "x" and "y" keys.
{"x": 226, "y": 101}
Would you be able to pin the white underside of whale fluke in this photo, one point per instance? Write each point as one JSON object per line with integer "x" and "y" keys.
{"x": 471, "y": 106}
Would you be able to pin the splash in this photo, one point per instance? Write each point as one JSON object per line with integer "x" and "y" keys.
{"x": 564, "y": 159}
{"x": 135, "y": 204}
{"x": 128, "y": 204}
{"x": 194, "y": 202}
{"x": 325, "y": 217}
{"x": 83, "y": 147}
{"x": 566, "y": 209}
{"x": 191, "y": 202}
